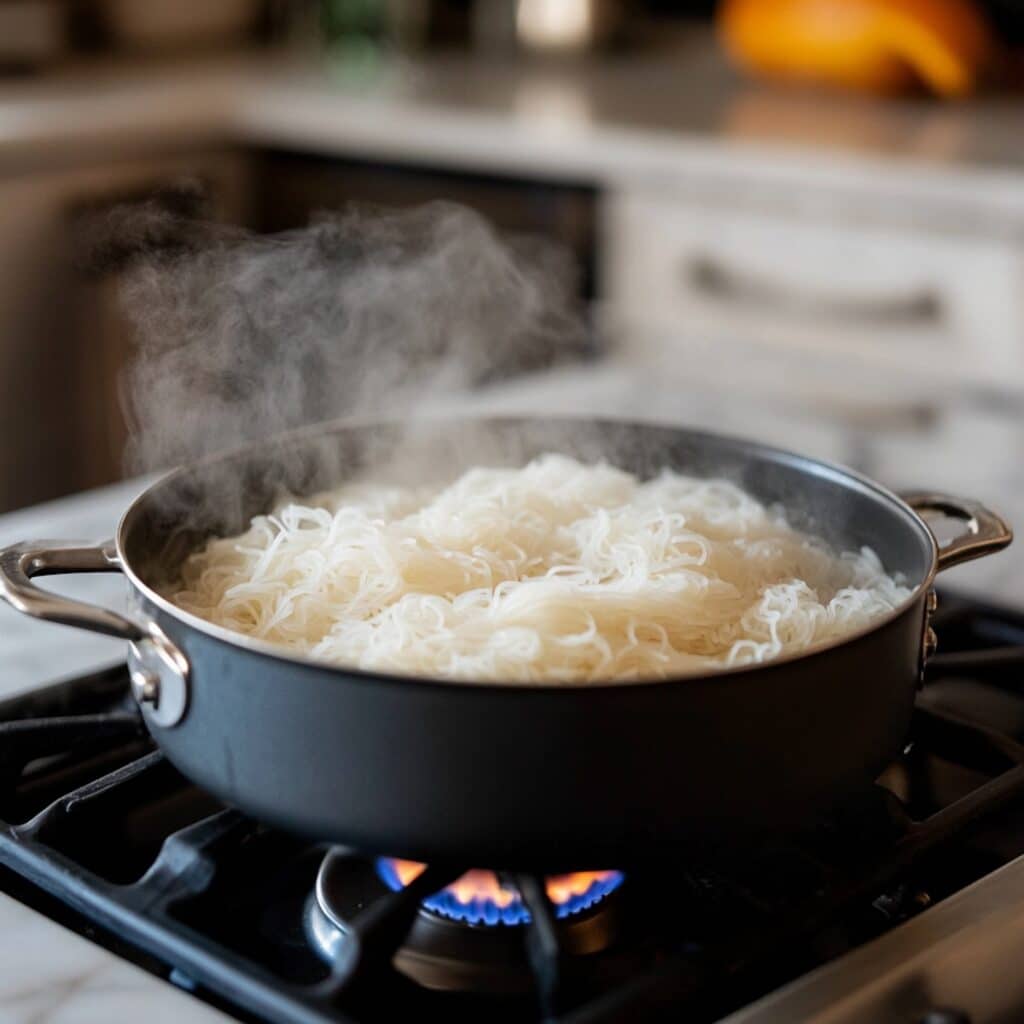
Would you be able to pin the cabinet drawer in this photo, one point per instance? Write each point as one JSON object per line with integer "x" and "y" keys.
{"x": 941, "y": 303}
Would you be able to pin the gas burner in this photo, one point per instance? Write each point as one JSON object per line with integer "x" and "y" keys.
{"x": 469, "y": 936}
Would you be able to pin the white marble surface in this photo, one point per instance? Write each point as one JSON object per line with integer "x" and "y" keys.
{"x": 657, "y": 119}
{"x": 49, "y": 975}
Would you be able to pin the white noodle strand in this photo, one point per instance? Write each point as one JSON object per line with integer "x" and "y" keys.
{"x": 558, "y": 571}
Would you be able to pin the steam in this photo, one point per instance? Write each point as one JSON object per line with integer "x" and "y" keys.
{"x": 366, "y": 312}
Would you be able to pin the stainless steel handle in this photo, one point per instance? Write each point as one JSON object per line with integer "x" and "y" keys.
{"x": 707, "y": 275}
{"x": 158, "y": 670}
{"x": 985, "y": 531}
{"x": 21, "y": 563}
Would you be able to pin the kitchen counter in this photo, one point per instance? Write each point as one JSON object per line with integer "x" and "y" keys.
{"x": 49, "y": 975}
{"x": 680, "y": 120}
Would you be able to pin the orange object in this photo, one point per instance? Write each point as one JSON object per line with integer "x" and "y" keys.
{"x": 880, "y": 46}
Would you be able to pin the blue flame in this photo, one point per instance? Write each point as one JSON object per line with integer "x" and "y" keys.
{"x": 482, "y": 910}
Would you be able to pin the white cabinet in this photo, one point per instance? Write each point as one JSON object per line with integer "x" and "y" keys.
{"x": 904, "y": 300}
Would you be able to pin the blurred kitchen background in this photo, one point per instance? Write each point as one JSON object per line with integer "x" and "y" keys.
{"x": 792, "y": 223}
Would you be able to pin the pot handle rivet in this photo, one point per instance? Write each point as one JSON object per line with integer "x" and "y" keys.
{"x": 146, "y": 687}
{"x": 160, "y": 678}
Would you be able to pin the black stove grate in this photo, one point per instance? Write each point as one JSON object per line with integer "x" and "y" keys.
{"x": 99, "y": 825}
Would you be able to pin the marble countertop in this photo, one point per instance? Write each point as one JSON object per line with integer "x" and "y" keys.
{"x": 52, "y": 976}
{"x": 659, "y": 119}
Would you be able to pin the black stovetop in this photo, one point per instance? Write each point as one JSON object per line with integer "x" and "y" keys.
{"x": 99, "y": 831}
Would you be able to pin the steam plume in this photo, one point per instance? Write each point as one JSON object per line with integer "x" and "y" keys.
{"x": 241, "y": 337}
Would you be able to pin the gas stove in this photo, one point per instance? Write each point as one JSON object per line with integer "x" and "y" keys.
{"x": 101, "y": 833}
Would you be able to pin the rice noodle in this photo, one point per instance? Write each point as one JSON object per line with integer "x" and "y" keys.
{"x": 555, "y": 572}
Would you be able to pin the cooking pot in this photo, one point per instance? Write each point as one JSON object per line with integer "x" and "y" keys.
{"x": 507, "y": 775}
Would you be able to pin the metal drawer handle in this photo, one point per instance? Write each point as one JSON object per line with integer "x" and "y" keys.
{"x": 985, "y": 531}
{"x": 709, "y": 277}
{"x": 158, "y": 669}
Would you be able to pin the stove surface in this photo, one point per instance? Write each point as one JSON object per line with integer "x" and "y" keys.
{"x": 101, "y": 833}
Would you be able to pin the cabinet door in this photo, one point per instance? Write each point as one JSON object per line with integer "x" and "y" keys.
{"x": 896, "y": 299}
